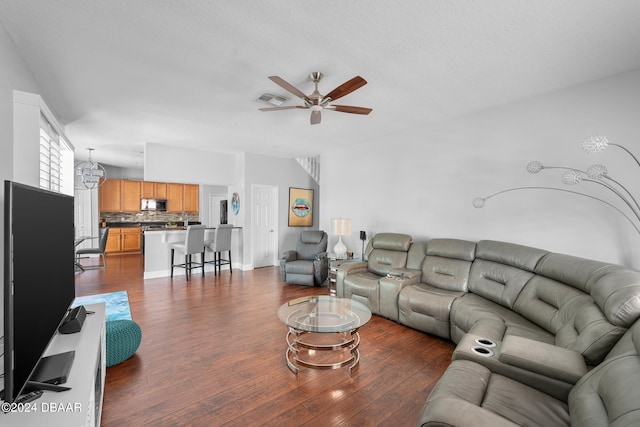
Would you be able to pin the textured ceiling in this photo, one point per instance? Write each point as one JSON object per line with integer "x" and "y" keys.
{"x": 120, "y": 73}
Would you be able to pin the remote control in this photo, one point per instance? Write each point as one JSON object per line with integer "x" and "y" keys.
{"x": 30, "y": 397}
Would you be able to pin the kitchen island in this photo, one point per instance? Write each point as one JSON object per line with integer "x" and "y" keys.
{"x": 157, "y": 250}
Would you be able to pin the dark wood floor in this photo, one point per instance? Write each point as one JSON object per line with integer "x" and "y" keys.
{"x": 213, "y": 353}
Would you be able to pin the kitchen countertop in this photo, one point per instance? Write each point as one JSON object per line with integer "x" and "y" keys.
{"x": 149, "y": 225}
{"x": 157, "y": 249}
{"x": 164, "y": 228}
{"x": 180, "y": 227}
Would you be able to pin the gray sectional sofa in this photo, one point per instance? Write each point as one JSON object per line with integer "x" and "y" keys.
{"x": 542, "y": 338}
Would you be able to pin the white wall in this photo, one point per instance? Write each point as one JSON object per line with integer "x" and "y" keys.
{"x": 27, "y": 109}
{"x": 282, "y": 173}
{"x": 26, "y": 137}
{"x": 14, "y": 75}
{"x": 422, "y": 182}
{"x": 172, "y": 164}
{"x": 116, "y": 172}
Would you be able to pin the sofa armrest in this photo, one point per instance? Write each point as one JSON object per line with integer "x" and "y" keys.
{"x": 289, "y": 256}
{"x": 543, "y": 380}
{"x": 545, "y": 359}
{"x": 352, "y": 266}
{"x": 408, "y": 275}
{"x": 284, "y": 259}
{"x": 493, "y": 329}
{"x": 390, "y": 287}
{"x": 345, "y": 269}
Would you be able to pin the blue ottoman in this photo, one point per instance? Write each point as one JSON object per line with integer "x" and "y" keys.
{"x": 123, "y": 339}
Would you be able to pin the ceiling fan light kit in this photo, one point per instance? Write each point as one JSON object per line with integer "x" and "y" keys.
{"x": 316, "y": 102}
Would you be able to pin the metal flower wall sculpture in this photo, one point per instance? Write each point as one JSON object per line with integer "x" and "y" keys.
{"x": 596, "y": 174}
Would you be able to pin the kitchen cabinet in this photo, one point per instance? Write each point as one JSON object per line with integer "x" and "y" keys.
{"x": 113, "y": 241}
{"x": 191, "y": 196}
{"x": 122, "y": 195}
{"x": 119, "y": 195}
{"x": 160, "y": 190}
{"x": 183, "y": 198}
{"x": 175, "y": 198}
{"x": 148, "y": 191}
{"x": 110, "y": 196}
{"x": 131, "y": 194}
{"x": 154, "y": 190}
{"x": 126, "y": 239}
{"x": 131, "y": 240}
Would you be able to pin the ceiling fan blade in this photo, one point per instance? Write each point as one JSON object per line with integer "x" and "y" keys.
{"x": 315, "y": 117}
{"x": 289, "y": 87}
{"x": 350, "y": 109}
{"x": 288, "y": 107}
{"x": 346, "y": 88}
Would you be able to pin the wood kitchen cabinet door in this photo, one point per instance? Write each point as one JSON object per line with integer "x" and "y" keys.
{"x": 131, "y": 240}
{"x": 191, "y": 199}
{"x": 175, "y": 198}
{"x": 160, "y": 190}
{"x": 110, "y": 196}
{"x": 113, "y": 240}
{"x": 148, "y": 190}
{"x": 131, "y": 194}
{"x": 154, "y": 190}
{"x": 127, "y": 239}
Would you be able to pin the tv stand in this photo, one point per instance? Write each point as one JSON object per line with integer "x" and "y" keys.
{"x": 81, "y": 403}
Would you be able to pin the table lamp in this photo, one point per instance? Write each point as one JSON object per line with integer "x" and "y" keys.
{"x": 340, "y": 227}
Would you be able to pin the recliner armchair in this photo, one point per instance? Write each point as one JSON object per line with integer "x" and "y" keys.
{"x": 386, "y": 254}
{"x": 308, "y": 264}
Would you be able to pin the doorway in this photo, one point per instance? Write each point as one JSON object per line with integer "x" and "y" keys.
{"x": 86, "y": 215}
{"x": 214, "y": 208}
{"x": 264, "y": 224}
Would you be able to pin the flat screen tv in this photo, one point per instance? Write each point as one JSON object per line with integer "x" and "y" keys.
{"x": 39, "y": 277}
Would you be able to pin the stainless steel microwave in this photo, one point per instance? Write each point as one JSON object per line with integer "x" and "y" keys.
{"x": 153, "y": 205}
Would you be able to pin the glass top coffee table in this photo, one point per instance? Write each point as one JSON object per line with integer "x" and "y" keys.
{"x": 323, "y": 331}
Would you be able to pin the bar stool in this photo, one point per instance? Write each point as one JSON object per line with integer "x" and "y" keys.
{"x": 193, "y": 244}
{"x": 221, "y": 243}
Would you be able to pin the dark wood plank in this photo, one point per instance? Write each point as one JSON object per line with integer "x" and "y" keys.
{"x": 213, "y": 353}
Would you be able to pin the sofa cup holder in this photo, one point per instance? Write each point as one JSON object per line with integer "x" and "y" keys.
{"x": 481, "y": 351}
{"x": 485, "y": 342}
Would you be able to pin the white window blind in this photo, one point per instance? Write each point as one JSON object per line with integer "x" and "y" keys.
{"x": 56, "y": 160}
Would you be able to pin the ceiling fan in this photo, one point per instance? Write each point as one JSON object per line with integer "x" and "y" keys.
{"x": 316, "y": 102}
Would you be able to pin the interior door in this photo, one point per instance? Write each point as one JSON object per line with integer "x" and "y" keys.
{"x": 214, "y": 208}
{"x": 85, "y": 212}
{"x": 264, "y": 221}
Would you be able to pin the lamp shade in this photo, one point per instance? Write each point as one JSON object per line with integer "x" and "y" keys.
{"x": 340, "y": 226}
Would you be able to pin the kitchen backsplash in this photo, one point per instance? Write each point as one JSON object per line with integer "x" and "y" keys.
{"x": 147, "y": 217}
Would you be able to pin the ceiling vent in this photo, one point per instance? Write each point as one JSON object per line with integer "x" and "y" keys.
{"x": 276, "y": 100}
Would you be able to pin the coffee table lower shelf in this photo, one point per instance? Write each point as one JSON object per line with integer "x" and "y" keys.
{"x": 300, "y": 352}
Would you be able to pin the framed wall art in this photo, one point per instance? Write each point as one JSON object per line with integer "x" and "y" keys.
{"x": 300, "y": 207}
{"x": 235, "y": 203}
